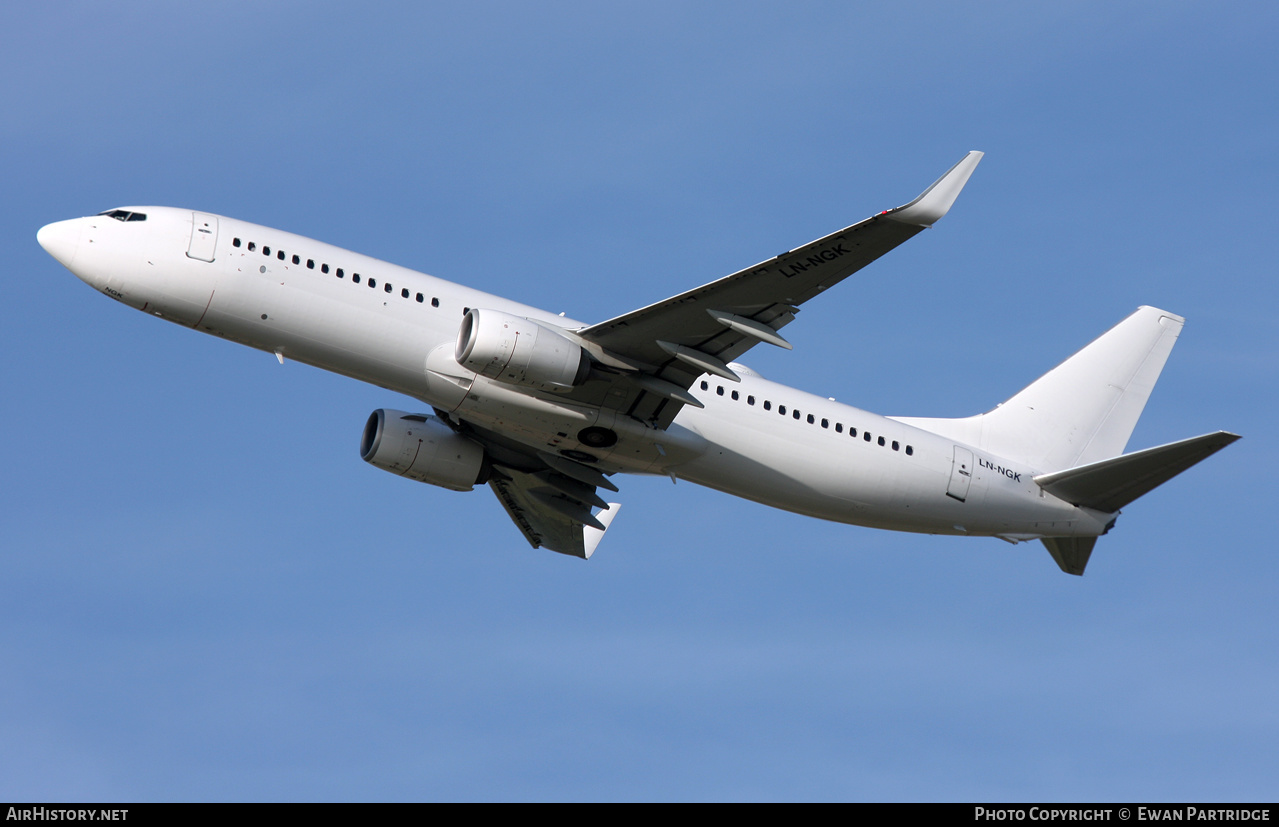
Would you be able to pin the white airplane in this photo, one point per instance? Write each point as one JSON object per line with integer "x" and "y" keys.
{"x": 545, "y": 409}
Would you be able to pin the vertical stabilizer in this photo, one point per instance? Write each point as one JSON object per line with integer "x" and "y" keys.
{"x": 1083, "y": 410}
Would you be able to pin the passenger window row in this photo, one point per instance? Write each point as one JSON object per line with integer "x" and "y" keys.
{"x": 812, "y": 420}
{"x": 387, "y": 287}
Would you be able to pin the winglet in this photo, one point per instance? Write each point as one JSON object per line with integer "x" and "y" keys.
{"x": 591, "y": 536}
{"x": 935, "y": 201}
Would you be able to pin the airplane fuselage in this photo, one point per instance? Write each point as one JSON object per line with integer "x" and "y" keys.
{"x": 311, "y": 302}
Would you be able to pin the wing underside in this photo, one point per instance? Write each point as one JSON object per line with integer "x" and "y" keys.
{"x": 650, "y": 357}
{"x": 553, "y": 511}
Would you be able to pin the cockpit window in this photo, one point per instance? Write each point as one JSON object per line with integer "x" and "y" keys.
{"x": 125, "y": 215}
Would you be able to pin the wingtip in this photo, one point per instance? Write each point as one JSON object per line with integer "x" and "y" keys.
{"x": 936, "y": 201}
{"x": 591, "y": 536}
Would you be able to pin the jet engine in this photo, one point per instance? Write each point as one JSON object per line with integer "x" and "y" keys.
{"x": 519, "y": 351}
{"x": 423, "y": 448}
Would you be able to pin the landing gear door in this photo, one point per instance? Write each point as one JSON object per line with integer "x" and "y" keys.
{"x": 204, "y": 236}
{"x": 961, "y": 474}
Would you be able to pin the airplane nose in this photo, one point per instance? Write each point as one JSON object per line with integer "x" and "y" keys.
{"x": 60, "y": 239}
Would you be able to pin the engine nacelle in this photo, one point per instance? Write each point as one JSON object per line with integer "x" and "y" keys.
{"x": 519, "y": 351}
{"x": 422, "y": 448}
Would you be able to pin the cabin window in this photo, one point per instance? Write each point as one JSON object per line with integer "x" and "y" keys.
{"x": 910, "y": 451}
{"x": 388, "y": 287}
{"x": 235, "y": 242}
{"x": 852, "y": 431}
{"x": 372, "y": 282}
{"x": 310, "y": 264}
{"x": 355, "y": 277}
{"x": 881, "y": 440}
{"x": 866, "y": 436}
{"x": 768, "y": 406}
{"x": 266, "y": 251}
{"x": 340, "y": 274}
{"x": 781, "y": 409}
{"x": 810, "y": 419}
{"x": 279, "y": 254}
{"x": 735, "y": 396}
{"x": 896, "y": 447}
{"x": 719, "y": 390}
{"x": 795, "y": 414}
{"x": 253, "y": 246}
{"x": 404, "y": 293}
{"x": 750, "y": 400}
{"x": 825, "y": 423}
{"x": 435, "y": 302}
{"x": 324, "y": 268}
{"x": 420, "y": 298}
{"x": 296, "y": 260}
{"x": 705, "y": 386}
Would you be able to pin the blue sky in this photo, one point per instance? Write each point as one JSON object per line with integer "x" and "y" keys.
{"x": 208, "y": 596}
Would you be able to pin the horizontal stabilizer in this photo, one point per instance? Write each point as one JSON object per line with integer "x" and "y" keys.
{"x": 1111, "y": 484}
{"x": 1071, "y": 553}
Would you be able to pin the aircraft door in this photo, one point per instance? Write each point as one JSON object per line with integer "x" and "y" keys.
{"x": 204, "y": 236}
{"x": 961, "y": 474}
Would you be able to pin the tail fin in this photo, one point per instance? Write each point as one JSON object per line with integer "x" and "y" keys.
{"x": 1074, "y": 422}
{"x": 1081, "y": 411}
